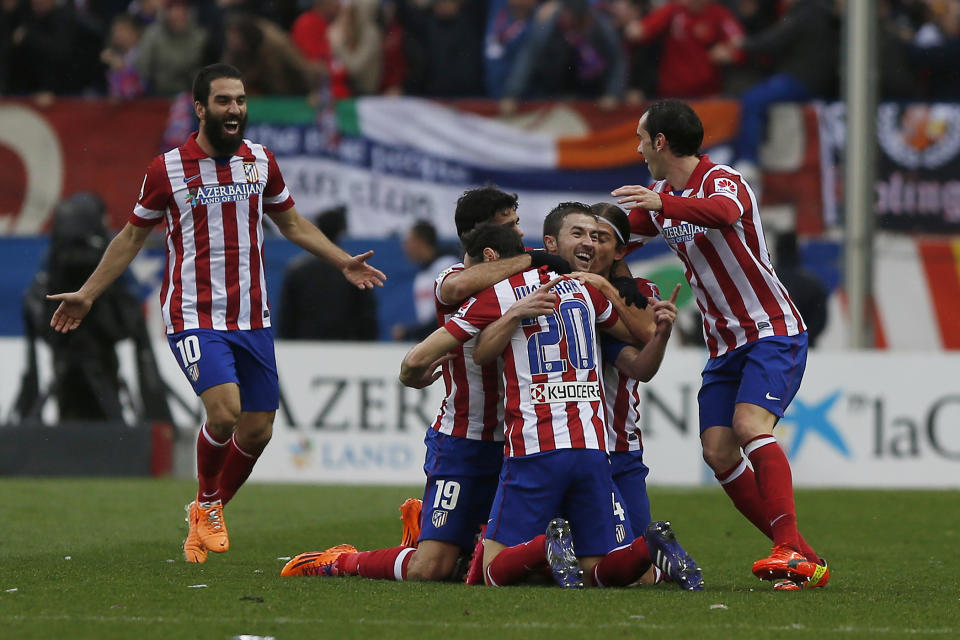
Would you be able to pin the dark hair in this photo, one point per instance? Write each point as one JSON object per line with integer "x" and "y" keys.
{"x": 615, "y": 216}
{"x": 554, "y": 219}
{"x": 201, "y": 83}
{"x": 504, "y": 240}
{"x": 678, "y": 123}
{"x": 426, "y": 232}
{"x": 480, "y": 205}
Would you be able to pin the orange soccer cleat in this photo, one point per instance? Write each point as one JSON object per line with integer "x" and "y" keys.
{"x": 784, "y": 562}
{"x": 317, "y": 563}
{"x": 211, "y": 528}
{"x": 193, "y": 549}
{"x": 410, "y": 514}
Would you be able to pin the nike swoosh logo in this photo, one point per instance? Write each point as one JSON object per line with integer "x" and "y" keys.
{"x": 770, "y": 397}
{"x": 189, "y": 180}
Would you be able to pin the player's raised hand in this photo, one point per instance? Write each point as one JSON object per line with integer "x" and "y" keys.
{"x": 363, "y": 275}
{"x": 665, "y": 311}
{"x": 637, "y": 197}
{"x": 541, "y": 302}
{"x": 74, "y": 306}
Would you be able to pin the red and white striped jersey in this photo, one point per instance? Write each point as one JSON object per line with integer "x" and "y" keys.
{"x": 727, "y": 263}
{"x": 553, "y": 386}
{"x": 622, "y": 394}
{"x": 213, "y": 209}
{"x": 473, "y": 405}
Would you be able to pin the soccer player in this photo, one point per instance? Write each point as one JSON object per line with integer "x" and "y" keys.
{"x": 212, "y": 192}
{"x": 757, "y": 340}
{"x": 465, "y": 443}
{"x": 555, "y": 432}
{"x": 626, "y": 366}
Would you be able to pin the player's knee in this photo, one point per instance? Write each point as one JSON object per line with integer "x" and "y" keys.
{"x": 720, "y": 457}
{"x": 221, "y": 420}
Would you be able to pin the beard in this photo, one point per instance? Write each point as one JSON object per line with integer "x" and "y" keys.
{"x": 224, "y": 142}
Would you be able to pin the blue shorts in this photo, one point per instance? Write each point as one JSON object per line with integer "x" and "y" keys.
{"x": 462, "y": 478}
{"x": 766, "y": 372}
{"x": 630, "y": 479}
{"x": 570, "y": 483}
{"x": 210, "y": 357}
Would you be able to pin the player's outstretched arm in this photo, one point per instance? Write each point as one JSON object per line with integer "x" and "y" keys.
{"x": 420, "y": 367}
{"x": 492, "y": 341}
{"x": 643, "y": 364}
{"x": 121, "y": 251}
{"x": 308, "y": 237}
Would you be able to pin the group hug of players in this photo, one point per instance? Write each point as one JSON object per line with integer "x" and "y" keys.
{"x": 537, "y": 445}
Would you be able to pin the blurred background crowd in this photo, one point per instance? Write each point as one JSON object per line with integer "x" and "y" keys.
{"x": 614, "y": 51}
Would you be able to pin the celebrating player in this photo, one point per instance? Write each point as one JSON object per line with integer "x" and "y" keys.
{"x": 757, "y": 340}
{"x": 556, "y": 454}
{"x": 465, "y": 443}
{"x": 212, "y": 192}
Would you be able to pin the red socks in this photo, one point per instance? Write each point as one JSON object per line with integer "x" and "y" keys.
{"x": 775, "y": 486}
{"x": 236, "y": 470}
{"x": 514, "y": 564}
{"x": 210, "y": 458}
{"x": 382, "y": 564}
{"x": 622, "y": 567}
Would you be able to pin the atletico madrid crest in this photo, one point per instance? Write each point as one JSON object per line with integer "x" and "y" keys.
{"x": 250, "y": 171}
{"x": 194, "y": 372}
{"x": 439, "y": 518}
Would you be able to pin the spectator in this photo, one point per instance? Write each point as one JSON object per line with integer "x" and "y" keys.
{"x": 394, "y": 56}
{"x": 310, "y": 34}
{"x": 641, "y": 72}
{"x": 171, "y": 51}
{"x": 805, "y": 288}
{"x": 270, "y": 63}
{"x": 688, "y": 30}
{"x": 573, "y": 52}
{"x": 937, "y": 49}
{"x": 317, "y": 303}
{"x": 356, "y": 44}
{"x": 508, "y": 26}
{"x": 804, "y": 45}
{"x": 120, "y": 56}
{"x": 42, "y": 59}
{"x": 444, "y": 47}
{"x": 420, "y": 247}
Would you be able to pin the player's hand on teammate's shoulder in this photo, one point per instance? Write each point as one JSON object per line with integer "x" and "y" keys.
{"x": 363, "y": 275}
{"x": 430, "y": 374}
{"x": 73, "y": 307}
{"x": 638, "y": 197}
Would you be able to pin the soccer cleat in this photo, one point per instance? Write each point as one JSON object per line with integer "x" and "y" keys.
{"x": 317, "y": 563}
{"x": 211, "y": 528}
{"x": 786, "y": 585}
{"x": 671, "y": 558}
{"x": 561, "y": 556}
{"x": 193, "y": 549}
{"x": 410, "y": 514}
{"x": 784, "y": 562}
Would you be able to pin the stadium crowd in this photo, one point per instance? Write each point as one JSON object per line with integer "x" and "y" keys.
{"x": 614, "y": 51}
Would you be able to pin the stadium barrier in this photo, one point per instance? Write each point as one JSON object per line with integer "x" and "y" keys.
{"x": 861, "y": 419}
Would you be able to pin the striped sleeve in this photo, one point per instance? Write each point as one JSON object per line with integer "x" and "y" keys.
{"x": 155, "y": 194}
{"x": 276, "y": 196}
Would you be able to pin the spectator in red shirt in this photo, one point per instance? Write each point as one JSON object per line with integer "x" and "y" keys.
{"x": 688, "y": 29}
{"x": 310, "y": 34}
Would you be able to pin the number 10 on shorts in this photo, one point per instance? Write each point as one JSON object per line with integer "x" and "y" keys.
{"x": 189, "y": 349}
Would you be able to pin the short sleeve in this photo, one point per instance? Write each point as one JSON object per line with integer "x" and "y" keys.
{"x": 606, "y": 315}
{"x": 441, "y": 304}
{"x": 648, "y": 288}
{"x": 610, "y": 348}
{"x": 154, "y": 196}
{"x": 276, "y": 196}
{"x": 474, "y": 315}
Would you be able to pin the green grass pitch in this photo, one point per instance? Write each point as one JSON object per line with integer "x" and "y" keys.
{"x": 86, "y": 558}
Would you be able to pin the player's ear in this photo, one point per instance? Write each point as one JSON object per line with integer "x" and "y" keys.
{"x": 621, "y": 252}
{"x": 199, "y": 109}
{"x": 550, "y": 244}
{"x": 490, "y": 255}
